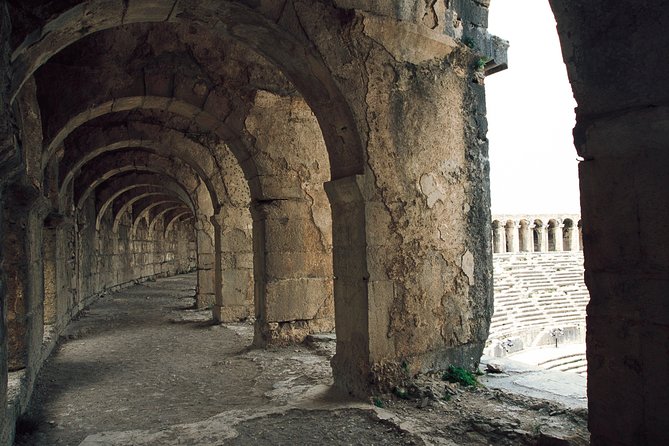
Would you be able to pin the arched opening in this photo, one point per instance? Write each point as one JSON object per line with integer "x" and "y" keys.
{"x": 127, "y": 158}
{"x": 397, "y": 93}
{"x": 539, "y": 236}
{"x": 540, "y": 297}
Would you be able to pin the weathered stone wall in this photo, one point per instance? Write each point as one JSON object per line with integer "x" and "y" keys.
{"x": 111, "y": 259}
{"x": 422, "y": 257}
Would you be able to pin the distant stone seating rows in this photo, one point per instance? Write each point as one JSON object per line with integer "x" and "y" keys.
{"x": 538, "y": 296}
{"x": 575, "y": 363}
{"x": 539, "y": 233}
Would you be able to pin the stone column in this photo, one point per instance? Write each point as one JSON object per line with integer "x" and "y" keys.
{"x": 498, "y": 238}
{"x": 524, "y": 237}
{"x": 511, "y": 232}
{"x": 66, "y": 269}
{"x": 539, "y": 236}
{"x": 569, "y": 236}
{"x": 292, "y": 267}
{"x": 234, "y": 265}
{"x": 622, "y": 130}
{"x": 554, "y": 236}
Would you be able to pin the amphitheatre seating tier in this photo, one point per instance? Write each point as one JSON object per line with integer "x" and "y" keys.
{"x": 543, "y": 290}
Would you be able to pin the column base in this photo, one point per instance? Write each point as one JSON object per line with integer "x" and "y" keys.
{"x": 288, "y": 333}
{"x": 204, "y": 300}
{"x": 235, "y": 313}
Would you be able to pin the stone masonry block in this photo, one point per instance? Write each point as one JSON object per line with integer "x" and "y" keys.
{"x": 295, "y": 299}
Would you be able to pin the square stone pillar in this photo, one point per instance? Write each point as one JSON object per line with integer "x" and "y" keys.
{"x": 352, "y": 363}
{"x": 49, "y": 258}
{"x": 23, "y": 217}
{"x": 234, "y": 265}
{"x": 386, "y": 331}
{"x": 412, "y": 234}
{"x": 292, "y": 271}
{"x": 205, "y": 296}
{"x": 625, "y": 209}
{"x": 66, "y": 269}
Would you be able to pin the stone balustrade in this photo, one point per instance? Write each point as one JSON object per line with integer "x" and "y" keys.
{"x": 536, "y": 233}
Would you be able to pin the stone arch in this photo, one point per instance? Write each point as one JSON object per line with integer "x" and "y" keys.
{"x": 162, "y": 103}
{"x": 283, "y": 48}
{"x": 161, "y": 213}
{"x": 111, "y": 169}
{"x": 268, "y": 189}
{"x": 145, "y": 209}
{"x": 208, "y": 170}
{"x": 371, "y": 199}
{"x": 215, "y": 164}
{"x": 115, "y": 191}
{"x": 220, "y": 110}
{"x": 106, "y": 167}
{"x": 140, "y": 205}
{"x": 172, "y": 218}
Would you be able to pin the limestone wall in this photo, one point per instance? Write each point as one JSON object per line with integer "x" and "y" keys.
{"x": 112, "y": 259}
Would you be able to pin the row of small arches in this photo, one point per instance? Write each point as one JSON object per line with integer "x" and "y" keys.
{"x": 533, "y": 235}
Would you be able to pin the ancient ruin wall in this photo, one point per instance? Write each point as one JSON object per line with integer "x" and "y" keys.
{"x": 112, "y": 258}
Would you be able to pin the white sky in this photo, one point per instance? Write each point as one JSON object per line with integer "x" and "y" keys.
{"x": 533, "y": 167}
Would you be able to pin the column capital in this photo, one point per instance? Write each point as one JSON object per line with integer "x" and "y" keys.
{"x": 345, "y": 190}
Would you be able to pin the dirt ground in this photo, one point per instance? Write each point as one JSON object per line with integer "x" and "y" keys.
{"x": 141, "y": 367}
